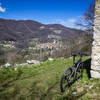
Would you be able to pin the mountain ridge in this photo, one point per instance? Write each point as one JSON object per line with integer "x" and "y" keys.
{"x": 13, "y": 30}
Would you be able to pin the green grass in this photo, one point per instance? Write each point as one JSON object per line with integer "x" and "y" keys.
{"x": 42, "y": 83}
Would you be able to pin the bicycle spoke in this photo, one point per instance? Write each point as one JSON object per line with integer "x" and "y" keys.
{"x": 67, "y": 85}
{"x": 64, "y": 83}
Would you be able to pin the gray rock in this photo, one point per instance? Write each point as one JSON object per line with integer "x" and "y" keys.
{"x": 35, "y": 62}
{"x": 95, "y": 64}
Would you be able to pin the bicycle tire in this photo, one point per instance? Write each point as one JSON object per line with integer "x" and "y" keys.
{"x": 64, "y": 82}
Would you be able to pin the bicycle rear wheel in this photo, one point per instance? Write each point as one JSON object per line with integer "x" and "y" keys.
{"x": 65, "y": 79}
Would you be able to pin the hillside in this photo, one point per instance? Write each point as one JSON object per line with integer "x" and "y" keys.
{"x": 42, "y": 83}
{"x": 14, "y": 30}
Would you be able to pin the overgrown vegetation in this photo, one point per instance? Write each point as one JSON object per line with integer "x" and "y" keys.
{"x": 42, "y": 83}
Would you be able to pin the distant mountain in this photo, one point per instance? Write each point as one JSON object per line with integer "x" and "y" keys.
{"x": 13, "y": 30}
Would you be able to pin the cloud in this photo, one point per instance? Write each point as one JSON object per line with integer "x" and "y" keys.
{"x": 2, "y": 9}
{"x": 60, "y": 21}
{"x": 65, "y": 22}
{"x": 72, "y": 20}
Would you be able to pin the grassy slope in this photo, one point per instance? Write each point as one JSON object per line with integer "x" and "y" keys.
{"x": 42, "y": 83}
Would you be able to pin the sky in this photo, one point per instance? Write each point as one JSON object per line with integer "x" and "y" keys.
{"x": 65, "y": 12}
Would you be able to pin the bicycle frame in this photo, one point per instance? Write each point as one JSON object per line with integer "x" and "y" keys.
{"x": 75, "y": 67}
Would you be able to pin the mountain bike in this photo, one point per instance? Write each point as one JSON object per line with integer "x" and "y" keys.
{"x": 72, "y": 73}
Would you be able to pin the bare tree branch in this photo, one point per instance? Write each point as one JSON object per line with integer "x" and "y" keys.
{"x": 86, "y": 21}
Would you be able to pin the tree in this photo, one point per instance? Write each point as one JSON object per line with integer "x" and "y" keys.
{"x": 2, "y": 56}
{"x": 86, "y": 21}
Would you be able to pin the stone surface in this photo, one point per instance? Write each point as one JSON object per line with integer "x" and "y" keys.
{"x": 35, "y": 62}
{"x": 95, "y": 64}
{"x": 50, "y": 59}
{"x": 80, "y": 89}
{"x": 95, "y": 74}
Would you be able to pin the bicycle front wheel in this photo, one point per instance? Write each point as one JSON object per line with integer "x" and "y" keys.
{"x": 64, "y": 82}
